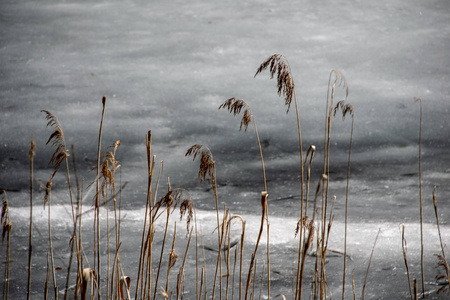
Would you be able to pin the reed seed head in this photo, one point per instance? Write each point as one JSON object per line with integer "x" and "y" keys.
{"x": 57, "y": 140}
{"x": 207, "y": 163}
{"x": 278, "y": 64}
{"x": 173, "y": 256}
{"x": 48, "y": 189}
{"x": 109, "y": 167}
{"x": 305, "y": 222}
{"x": 345, "y": 109}
{"x": 6, "y": 223}
{"x": 442, "y": 276}
{"x": 339, "y": 80}
{"x": 32, "y": 147}
{"x": 235, "y": 106}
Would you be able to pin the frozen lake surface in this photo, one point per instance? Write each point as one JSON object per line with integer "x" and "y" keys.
{"x": 167, "y": 66}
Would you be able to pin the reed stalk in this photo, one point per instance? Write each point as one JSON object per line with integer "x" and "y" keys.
{"x": 420, "y": 198}
{"x": 77, "y": 227}
{"x": 442, "y": 259}
{"x": 168, "y": 202}
{"x": 339, "y": 80}
{"x": 172, "y": 256}
{"x": 207, "y": 171}
{"x": 279, "y": 64}
{"x": 148, "y": 208}
{"x": 31, "y": 154}
{"x": 6, "y": 230}
{"x": 368, "y": 266}
{"x": 346, "y": 109}
{"x": 264, "y": 197}
{"x": 47, "y": 279}
{"x": 52, "y": 260}
{"x": 415, "y": 288}
{"x": 239, "y": 218}
{"x": 310, "y": 153}
{"x": 404, "y": 249}
{"x": 235, "y": 106}
{"x": 353, "y": 286}
{"x": 97, "y": 261}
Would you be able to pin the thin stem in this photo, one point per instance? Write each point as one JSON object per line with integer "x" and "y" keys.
{"x": 346, "y": 210}
{"x": 97, "y": 200}
{"x": 261, "y": 154}
{"x": 368, "y": 266}
{"x": 30, "y": 239}
{"x": 406, "y": 260}
{"x": 420, "y": 198}
{"x": 264, "y": 197}
{"x": 55, "y": 287}
{"x": 439, "y": 231}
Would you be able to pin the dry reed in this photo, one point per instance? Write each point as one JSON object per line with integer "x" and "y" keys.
{"x": 368, "y": 265}
{"x": 346, "y": 109}
{"x": 235, "y": 106}
{"x": 31, "y": 154}
{"x": 6, "y": 231}
{"x": 279, "y": 65}
{"x": 97, "y": 261}
{"x": 444, "y": 278}
{"x": 404, "y": 250}
{"x": 207, "y": 171}
{"x": 420, "y": 196}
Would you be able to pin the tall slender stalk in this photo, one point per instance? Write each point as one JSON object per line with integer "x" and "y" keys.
{"x": 264, "y": 197}
{"x": 172, "y": 256}
{"x": 97, "y": 203}
{"x": 346, "y": 109}
{"x": 207, "y": 171}
{"x": 6, "y": 230}
{"x": 368, "y": 266}
{"x": 75, "y": 233}
{"x": 235, "y": 106}
{"x": 339, "y": 80}
{"x": 279, "y": 64}
{"x": 30, "y": 237}
{"x": 420, "y": 198}
{"x": 52, "y": 260}
{"x": 148, "y": 206}
{"x": 442, "y": 259}
{"x": 168, "y": 202}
